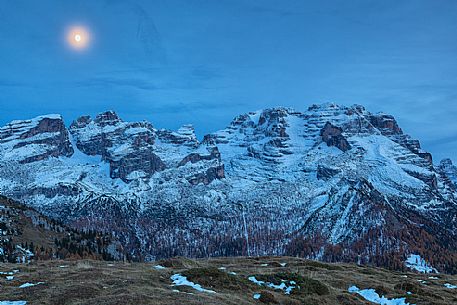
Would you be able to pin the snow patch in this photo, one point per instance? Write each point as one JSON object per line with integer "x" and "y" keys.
{"x": 416, "y": 262}
{"x": 26, "y": 285}
{"x": 372, "y": 296}
{"x": 283, "y": 286}
{"x": 179, "y": 280}
{"x": 9, "y": 272}
{"x": 256, "y": 281}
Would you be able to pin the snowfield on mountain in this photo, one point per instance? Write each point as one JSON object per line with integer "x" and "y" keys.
{"x": 334, "y": 183}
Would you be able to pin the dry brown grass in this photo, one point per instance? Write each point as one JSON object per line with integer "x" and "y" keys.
{"x": 102, "y": 283}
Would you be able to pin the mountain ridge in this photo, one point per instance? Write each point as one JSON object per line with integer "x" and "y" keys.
{"x": 326, "y": 183}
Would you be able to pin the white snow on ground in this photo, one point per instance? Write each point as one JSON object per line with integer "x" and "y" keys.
{"x": 372, "y": 296}
{"x": 222, "y": 268}
{"x": 283, "y": 286}
{"x": 10, "y": 278}
{"x": 450, "y": 286}
{"x": 416, "y": 262}
{"x": 179, "y": 280}
{"x": 13, "y": 302}
{"x": 25, "y": 285}
{"x": 256, "y": 296}
{"x": 159, "y": 267}
{"x": 256, "y": 281}
{"x": 9, "y": 272}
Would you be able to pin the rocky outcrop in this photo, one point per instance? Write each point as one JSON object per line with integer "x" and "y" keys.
{"x": 385, "y": 123}
{"x": 196, "y": 157}
{"x": 138, "y": 164}
{"x": 449, "y": 171}
{"x": 38, "y": 139}
{"x": 325, "y": 172}
{"x": 108, "y": 118}
{"x": 333, "y": 136}
{"x": 103, "y": 135}
{"x": 428, "y": 178}
{"x": 127, "y": 147}
{"x": 273, "y": 122}
{"x": 183, "y": 136}
{"x": 208, "y": 176}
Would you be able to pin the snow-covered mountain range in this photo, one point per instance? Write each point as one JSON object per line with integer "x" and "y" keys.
{"x": 332, "y": 183}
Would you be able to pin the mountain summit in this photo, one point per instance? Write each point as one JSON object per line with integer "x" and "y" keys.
{"x": 334, "y": 183}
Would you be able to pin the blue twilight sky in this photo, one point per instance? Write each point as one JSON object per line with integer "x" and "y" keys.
{"x": 203, "y": 62}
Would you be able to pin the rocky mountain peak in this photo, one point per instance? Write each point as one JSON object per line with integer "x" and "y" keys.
{"x": 81, "y": 122}
{"x": 33, "y": 140}
{"x": 127, "y": 147}
{"x": 449, "y": 170}
{"x": 185, "y": 135}
{"x": 446, "y": 163}
{"x": 326, "y": 107}
{"x": 385, "y": 123}
{"x": 107, "y": 118}
{"x": 330, "y": 178}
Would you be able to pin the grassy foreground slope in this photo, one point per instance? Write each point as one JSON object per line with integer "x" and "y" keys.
{"x": 99, "y": 282}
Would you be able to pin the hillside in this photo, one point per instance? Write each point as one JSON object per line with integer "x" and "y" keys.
{"x": 240, "y": 281}
{"x": 26, "y": 235}
{"x": 334, "y": 183}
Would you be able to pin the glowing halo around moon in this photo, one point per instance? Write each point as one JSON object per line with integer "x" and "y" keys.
{"x": 78, "y": 38}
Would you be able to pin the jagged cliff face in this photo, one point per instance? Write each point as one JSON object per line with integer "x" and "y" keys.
{"x": 275, "y": 181}
{"x": 34, "y": 140}
{"x": 448, "y": 172}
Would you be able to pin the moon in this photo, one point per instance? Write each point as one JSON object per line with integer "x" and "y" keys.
{"x": 78, "y": 38}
